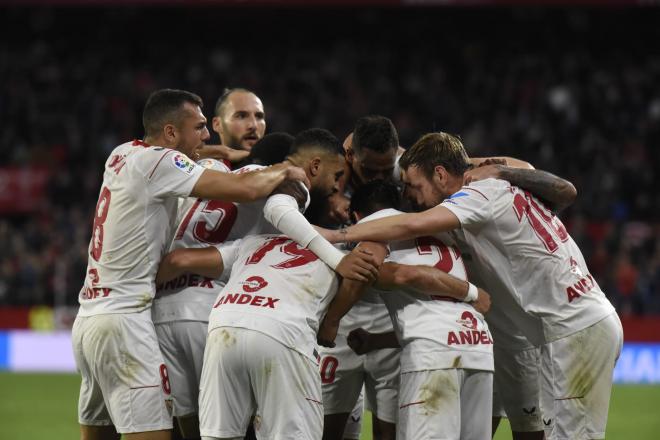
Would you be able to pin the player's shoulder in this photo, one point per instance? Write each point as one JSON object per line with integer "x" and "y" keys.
{"x": 248, "y": 168}
{"x": 486, "y": 190}
{"x": 387, "y": 212}
{"x": 214, "y": 164}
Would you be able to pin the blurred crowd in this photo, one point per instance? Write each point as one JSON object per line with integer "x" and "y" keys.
{"x": 573, "y": 92}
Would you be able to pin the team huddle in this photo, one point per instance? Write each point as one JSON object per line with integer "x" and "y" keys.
{"x": 276, "y": 285}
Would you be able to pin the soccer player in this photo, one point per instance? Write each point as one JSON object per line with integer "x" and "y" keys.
{"x": 447, "y": 360}
{"x": 125, "y": 385}
{"x": 371, "y": 153}
{"x": 530, "y": 264}
{"x": 239, "y": 119}
{"x": 261, "y": 352}
{"x": 185, "y": 298}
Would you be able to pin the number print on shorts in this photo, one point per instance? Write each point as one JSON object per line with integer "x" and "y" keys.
{"x": 525, "y": 205}
{"x": 328, "y": 368}
{"x": 165, "y": 379}
{"x": 100, "y": 215}
{"x": 301, "y": 256}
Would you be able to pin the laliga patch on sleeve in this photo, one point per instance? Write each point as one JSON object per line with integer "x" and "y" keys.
{"x": 183, "y": 163}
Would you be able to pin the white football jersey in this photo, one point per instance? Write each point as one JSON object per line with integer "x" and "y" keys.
{"x": 277, "y": 288}
{"x": 527, "y": 260}
{"x": 435, "y": 332}
{"x": 133, "y": 224}
{"x": 200, "y": 223}
{"x": 204, "y": 223}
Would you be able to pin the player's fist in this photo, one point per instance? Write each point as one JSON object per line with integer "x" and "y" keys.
{"x": 296, "y": 173}
{"x": 327, "y": 333}
{"x": 359, "y": 265}
{"x": 360, "y": 341}
{"x": 482, "y": 303}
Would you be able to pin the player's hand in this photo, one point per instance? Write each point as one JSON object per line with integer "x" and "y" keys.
{"x": 482, "y": 303}
{"x": 482, "y": 172}
{"x": 360, "y": 341}
{"x": 296, "y": 173}
{"x": 359, "y": 265}
{"x": 221, "y": 152}
{"x": 327, "y": 333}
{"x": 338, "y": 208}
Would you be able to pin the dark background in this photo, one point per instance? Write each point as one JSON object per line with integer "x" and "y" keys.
{"x": 573, "y": 91}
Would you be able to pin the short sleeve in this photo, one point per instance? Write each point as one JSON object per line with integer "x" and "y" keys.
{"x": 229, "y": 251}
{"x": 471, "y": 205}
{"x": 173, "y": 175}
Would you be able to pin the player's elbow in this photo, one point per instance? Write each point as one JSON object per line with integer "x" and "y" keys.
{"x": 568, "y": 194}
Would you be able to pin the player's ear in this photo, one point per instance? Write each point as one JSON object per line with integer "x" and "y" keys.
{"x": 217, "y": 125}
{"x": 350, "y": 155}
{"x": 315, "y": 166}
{"x": 441, "y": 172}
{"x": 170, "y": 133}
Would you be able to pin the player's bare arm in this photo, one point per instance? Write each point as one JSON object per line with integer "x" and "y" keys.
{"x": 350, "y": 291}
{"x": 245, "y": 187}
{"x": 362, "y": 341}
{"x": 284, "y": 214}
{"x": 397, "y": 227}
{"x": 203, "y": 261}
{"x": 430, "y": 281}
{"x": 558, "y": 193}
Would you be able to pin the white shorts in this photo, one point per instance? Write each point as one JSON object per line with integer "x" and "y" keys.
{"x": 516, "y": 388}
{"x": 354, "y": 422}
{"x": 118, "y": 357}
{"x": 445, "y": 404}
{"x": 343, "y": 374}
{"x": 246, "y": 371}
{"x": 182, "y": 344}
{"x": 577, "y": 374}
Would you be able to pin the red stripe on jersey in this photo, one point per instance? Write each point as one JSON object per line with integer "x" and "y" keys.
{"x": 138, "y": 142}
{"x": 227, "y": 163}
{"x": 312, "y": 400}
{"x": 477, "y": 191}
{"x": 158, "y": 163}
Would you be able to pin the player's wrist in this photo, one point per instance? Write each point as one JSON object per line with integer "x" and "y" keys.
{"x": 472, "y": 293}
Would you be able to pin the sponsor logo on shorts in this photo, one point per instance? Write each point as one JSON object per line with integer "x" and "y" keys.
{"x": 183, "y": 163}
{"x": 529, "y": 412}
{"x": 254, "y": 283}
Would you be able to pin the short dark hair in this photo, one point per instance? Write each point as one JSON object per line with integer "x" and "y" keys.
{"x": 435, "y": 149}
{"x": 316, "y": 138}
{"x": 226, "y": 93}
{"x": 376, "y": 133}
{"x": 374, "y": 196}
{"x": 165, "y": 107}
{"x": 271, "y": 149}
